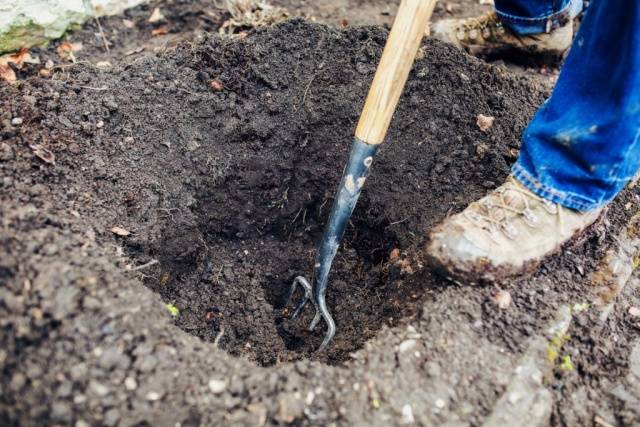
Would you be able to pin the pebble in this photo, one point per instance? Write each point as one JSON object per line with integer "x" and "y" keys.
{"x": 407, "y": 414}
{"x": 130, "y": 383}
{"x": 16, "y": 121}
{"x": 406, "y": 345}
{"x": 217, "y": 386}
{"x": 61, "y": 411}
{"x": 440, "y": 403}
{"x": 100, "y": 124}
{"x": 111, "y": 417}
{"x": 153, "y": 396}
{"x": 81, "y": 423}
{"x": 98, "y": 388}
{"x": 634, "y": 311}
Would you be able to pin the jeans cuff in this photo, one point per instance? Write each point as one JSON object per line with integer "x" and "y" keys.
{"x": 541, "y": 24}
{"x": 568, "y": 200}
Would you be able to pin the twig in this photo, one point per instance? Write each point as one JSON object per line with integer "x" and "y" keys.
{"x": 217, "y": 340}
{"x": 143, "y": 266}
{"x": 398, "y": 222}
{"x": 104, "y": 39}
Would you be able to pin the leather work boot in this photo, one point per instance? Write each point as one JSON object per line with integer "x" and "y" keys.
{"x": 506, "y": 233}
{"x": 486, "y": 34}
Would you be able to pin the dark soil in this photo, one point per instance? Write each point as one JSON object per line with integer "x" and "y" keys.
{"x": 228, "y": 188}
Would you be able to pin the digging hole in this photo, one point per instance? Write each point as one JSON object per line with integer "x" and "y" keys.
{"x": 230, "y": 280}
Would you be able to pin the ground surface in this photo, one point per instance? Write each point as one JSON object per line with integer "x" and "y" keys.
{"x": 220, "y": 191}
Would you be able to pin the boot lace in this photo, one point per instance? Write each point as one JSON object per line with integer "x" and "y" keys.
{"x": 497, "y": 212}
{"x": 488, "y": 26}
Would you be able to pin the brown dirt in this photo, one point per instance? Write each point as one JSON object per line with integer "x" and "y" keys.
{"x": 228, "y": 191}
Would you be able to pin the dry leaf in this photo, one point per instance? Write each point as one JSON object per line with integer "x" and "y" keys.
{"x": 128, "y": 23}
{"x": 120, "y": 231}
{"x": 103, "y": 64}
{"x": 503, "y": 299}
{"x": 156, "y": 15}
{"x": 19, "y": 58}
{"x": 43, "y": 154}
{"x": 395, "y": 254}
{"x": 67, "y": 50}
{"x": 7, "y": 73}
{"x": 216, "y": 85}
{"x": 160, "y": 31}
{"x": 484, "y": 122}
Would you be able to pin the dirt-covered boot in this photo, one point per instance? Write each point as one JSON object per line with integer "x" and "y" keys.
{"x": 506, "y": 233}
{"x": 486, "y": 35}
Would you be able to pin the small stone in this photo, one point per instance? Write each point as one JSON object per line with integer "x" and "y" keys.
{"x": 153, "y": 396}
{"x": 98, "y": 388}
{"x": 61, "y": 411}
{"x": 217, "y": 386}
{"x": 406, "y": 345}
{"x": 634, "y": 311}
{"x": 111, "y": 417}
{"x": 503, "y": 299}
{"x": 484, "y": 122}
{"x": 81, "y": 423}
{"x": 130, "y": 383}
{"x": 16, "y": 121}
{"x": 290, "y": 408}
{"x": 100, "y": 124}
{"x": 407, "y": 414}
{"x": 439, "y": 403}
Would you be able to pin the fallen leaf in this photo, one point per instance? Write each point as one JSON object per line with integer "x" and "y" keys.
{"x": 128, "y": 23}
{"x": 119, "y": 231}
{"x": 160, "y": 31}
{"x": 395, "y": 254}
{"x": 156, "y": 15}
{"x": 43, "y": 154}
{"x": 503, "y": 299}
{"x": 19, "y": 58}
{"x": 66, "y": 50}
{"x": 7, "y": 73}
{"x": 172, "y": 309}
{"x": 103, "y": 64}
{"x": 484, "y": 122}
{"x": 216, "y": 85}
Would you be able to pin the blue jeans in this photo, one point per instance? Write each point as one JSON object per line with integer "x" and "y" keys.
{"x": 536, "y": 16}
{"x": 582, "y": 146}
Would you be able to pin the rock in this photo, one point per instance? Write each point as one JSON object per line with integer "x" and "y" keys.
{"x": 98, "y": 388}
{"x": 61, "y": 411}
{"x": 33, "y": 22}
{"x": 130, "y": 383}
{"x": 154, "y": 396}
{"x": 406, "y": 345}
{"x": 407, "y": 414}
{"x": 217, "y": 386}
{"x": 111, "y": 417}
{"x": 290, "y": 408}
{"x": 16, "y": 121}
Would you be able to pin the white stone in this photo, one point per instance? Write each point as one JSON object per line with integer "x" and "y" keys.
{"x": 217, "y": 386}
{"x": 407, "y": 414}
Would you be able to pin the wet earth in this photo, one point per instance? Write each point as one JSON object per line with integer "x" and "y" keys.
{"x": 155, "y": 211}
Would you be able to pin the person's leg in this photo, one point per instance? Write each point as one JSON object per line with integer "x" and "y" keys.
{"x": 529, "y": 26}
{"x": 581, "y": 148}
{"x": 526, "y": 17}
{"x": 579, "y": 151}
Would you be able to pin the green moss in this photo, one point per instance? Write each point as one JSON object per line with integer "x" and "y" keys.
{"x": 25, "y": 32}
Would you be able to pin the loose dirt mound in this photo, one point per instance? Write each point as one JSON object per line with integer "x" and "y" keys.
{"x": 223, "y": 188}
